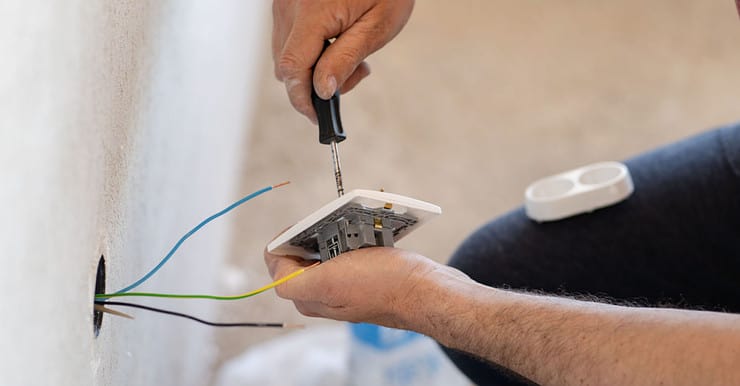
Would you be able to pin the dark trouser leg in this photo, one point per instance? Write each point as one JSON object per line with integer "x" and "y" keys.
{"x": 675, "y": 241}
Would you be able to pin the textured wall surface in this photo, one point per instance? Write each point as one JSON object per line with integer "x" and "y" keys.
{"x": 122, "y": 124}
{"x": 476, "y": 99}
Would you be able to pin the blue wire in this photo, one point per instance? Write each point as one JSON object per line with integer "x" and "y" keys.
{"x": 190, "y": 233}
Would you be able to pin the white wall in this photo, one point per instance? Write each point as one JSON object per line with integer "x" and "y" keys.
{"x": 122, "y": 124}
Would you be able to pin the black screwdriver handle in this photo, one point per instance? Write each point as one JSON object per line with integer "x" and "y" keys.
{"x": 327, "y": 114}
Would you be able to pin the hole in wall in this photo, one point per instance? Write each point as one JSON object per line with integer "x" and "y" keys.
{"x": 99, "y": 289}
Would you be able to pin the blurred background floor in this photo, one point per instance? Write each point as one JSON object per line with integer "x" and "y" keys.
{"x": 472, "y": 102}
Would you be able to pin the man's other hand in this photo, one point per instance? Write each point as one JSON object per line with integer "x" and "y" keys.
{"x": 300, "y": 28}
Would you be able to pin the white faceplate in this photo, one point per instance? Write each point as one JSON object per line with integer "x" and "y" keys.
{"x": 408, "y": 207}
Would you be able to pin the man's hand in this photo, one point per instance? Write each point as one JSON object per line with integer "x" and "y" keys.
{"x": 300, "y": 28}
{"x": 377, "y": 285}
{"x": 552, "y": 341}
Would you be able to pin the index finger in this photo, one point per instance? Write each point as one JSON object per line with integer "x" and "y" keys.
{"x": 295, "y": 66}
{"x": 280, "y": 266}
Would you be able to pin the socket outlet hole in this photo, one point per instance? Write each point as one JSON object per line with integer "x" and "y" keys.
{"x": 99, "y": 289}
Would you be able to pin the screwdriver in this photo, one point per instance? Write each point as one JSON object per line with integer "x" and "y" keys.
{"x": 330, "y": 127}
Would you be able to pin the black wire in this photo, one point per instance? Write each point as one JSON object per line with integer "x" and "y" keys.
{"x": 174, "y": 313}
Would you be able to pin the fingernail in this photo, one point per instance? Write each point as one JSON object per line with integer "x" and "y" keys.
{"x": 330, "y": 87}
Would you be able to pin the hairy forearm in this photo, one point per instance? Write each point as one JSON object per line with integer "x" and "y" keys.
{"x": 559, "y": 341}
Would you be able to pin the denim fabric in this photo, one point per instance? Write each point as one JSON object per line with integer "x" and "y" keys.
{"x": 675, "y": 241}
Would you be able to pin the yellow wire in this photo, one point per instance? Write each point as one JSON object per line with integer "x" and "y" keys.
{"x": 212, "y": 297}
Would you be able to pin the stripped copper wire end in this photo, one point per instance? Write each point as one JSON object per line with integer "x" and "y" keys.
{"x": 102, "y": 308}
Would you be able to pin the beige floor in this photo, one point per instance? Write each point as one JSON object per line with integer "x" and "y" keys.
{"x": 474, "y": 100}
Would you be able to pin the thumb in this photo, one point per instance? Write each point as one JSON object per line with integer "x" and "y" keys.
{"x": 341, "y": 59}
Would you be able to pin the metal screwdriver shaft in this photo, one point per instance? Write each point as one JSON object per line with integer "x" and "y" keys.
{"x": 337, "y": 168}
{"x": 330, "y": 128}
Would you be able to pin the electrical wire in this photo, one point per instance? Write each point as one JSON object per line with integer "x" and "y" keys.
{"x": 195, "y": 229}
{"x": 213, "y": 324}
{"x": 212, "y": 297}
